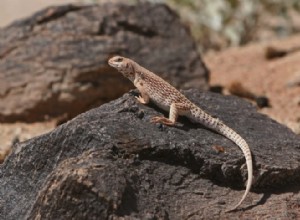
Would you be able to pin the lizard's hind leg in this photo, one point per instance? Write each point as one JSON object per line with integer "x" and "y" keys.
{"x": 175, "y": 108}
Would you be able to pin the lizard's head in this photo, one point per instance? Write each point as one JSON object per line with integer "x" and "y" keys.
{"x": 123, "y": 65}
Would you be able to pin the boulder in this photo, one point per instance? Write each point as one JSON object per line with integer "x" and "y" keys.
{"x": 112, "y": 163}
{"x": 54, "y": 63}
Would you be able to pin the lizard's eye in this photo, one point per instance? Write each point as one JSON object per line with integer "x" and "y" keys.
{"x": 119, "y": 59}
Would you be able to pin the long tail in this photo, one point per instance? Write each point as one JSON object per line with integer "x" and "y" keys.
{"x": 217, "y": 125}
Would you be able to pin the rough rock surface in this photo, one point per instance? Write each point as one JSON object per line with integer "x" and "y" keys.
{"x": 55, "y": 62}
{"x": 112, "y": 163}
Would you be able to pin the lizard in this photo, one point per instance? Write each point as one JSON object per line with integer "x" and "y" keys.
{"x": 155, "y": 89}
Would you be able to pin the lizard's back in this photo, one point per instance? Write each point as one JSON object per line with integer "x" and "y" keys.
{"x": 161, "y": 92}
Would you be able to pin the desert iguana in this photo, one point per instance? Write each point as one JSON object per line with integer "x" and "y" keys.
{"x": 165, "y": 96}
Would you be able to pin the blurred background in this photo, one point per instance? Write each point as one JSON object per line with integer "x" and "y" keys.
{"x": 16, "y": 9}
{"x": 245, "y": 48}
{"x": 215, "y": 24}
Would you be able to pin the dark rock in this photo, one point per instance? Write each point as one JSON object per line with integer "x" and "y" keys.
{"x": 55, "y": 62}
{"x": 262, "y": 101}
{"x": 111, "y": 163}
{"x": 216, "y": 89}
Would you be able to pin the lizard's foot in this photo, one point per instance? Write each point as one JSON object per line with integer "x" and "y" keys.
{"x": 140, "y": 99}
{"x": 163, "y": 120}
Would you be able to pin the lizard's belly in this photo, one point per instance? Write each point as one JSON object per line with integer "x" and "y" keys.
{"x": 161, "y": 104}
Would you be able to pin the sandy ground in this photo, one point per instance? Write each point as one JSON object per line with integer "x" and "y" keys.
{"x": 271, "y": 78}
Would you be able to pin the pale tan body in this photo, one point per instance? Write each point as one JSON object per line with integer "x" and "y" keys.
{"x": 165, "y": 96}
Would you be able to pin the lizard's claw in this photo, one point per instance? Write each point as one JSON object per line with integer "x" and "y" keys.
{"x": 140, "y": 99}
{"x": 162, "y": 120}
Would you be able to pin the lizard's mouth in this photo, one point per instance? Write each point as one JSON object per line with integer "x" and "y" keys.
{"x": 111, "y": 63}
{"x": 114, "y": 64}
{"x": 116, "y": 61}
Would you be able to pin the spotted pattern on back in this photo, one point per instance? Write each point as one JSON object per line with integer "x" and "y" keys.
{"x": 161, "y": 92}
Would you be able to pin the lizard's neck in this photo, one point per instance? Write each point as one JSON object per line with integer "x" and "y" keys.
{"x": 130, "y": 70}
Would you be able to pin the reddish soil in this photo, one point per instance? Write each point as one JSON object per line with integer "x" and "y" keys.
{"x": 270, "y": 78}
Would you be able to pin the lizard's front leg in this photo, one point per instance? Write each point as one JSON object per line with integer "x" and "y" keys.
{"x": 144, "y": 97}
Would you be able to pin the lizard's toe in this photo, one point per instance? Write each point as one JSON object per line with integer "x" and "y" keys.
{"x": 140, "y": 99}
{"x": 156, "y": 119}
{"x": 163, "y": 120}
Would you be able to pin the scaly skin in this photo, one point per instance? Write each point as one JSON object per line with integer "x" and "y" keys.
{"x": 165, "y": 96}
